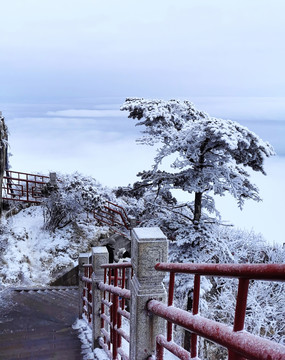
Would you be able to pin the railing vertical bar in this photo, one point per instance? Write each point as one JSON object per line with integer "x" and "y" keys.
{"x": 241, "y": 304}
{"x": 115, "y": 313}
{"x": 85, "y": 295}
{"x": 90, "y": 270}
{"x": 111, "y": 296}
{"x": 119, "y": 322}
{"x": 170, "y": 302}
{"x": 159, "y": 352}
{"x": 104, "y": 297}
{"x": 196, "y": 298}
{"x": 123, "y": 278}
{"x": 27, "y": 190}
{"x": 240, "y": 313}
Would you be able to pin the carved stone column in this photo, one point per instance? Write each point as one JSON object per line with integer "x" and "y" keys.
{"x": 100, "y": 256}
{"x": 149, "y": 247}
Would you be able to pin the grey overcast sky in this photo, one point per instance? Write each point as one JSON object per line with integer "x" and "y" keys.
{"x": 67, "y": 65}
{"x": 54, "y": 49}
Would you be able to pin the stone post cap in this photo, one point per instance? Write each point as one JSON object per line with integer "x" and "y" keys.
{"x": 148, "y": 234}
{"x": 99, "y": 250}
{"x": 84, "y": 255}
{"x": 100, "y": 255}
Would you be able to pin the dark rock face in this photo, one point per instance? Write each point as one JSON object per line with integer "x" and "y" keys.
{"x": 68, "y": 279}
{"x": 118, "y": 246}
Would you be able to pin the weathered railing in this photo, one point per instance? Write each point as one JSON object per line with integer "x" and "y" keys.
{"x": 241, "y": 345}
{"x": 113, "y": 215}
{"x": 113, "y": 308}
{"x": 148, "y": 336}
{"x": 24, "y": 187}
{"x": 87, "y": 292}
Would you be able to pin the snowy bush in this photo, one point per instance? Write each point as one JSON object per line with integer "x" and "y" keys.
{"x": 266, "y": 301}
{"x": 73, "y": 196}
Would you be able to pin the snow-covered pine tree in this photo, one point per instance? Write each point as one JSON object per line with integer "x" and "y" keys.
{"x": 211, "y": 155}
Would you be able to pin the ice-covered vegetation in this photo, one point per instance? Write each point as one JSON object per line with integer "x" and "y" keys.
{"x": 209, "y": 156}
{"x": 39, "y": 243}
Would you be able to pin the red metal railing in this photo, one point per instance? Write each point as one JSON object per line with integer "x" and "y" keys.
{"x": 113, "y": 308}
{"x": 115, "y": 216}
{"x": 240, "y": 344}
{"x": 87, "y": 292}
{"x": 18, "y": 186}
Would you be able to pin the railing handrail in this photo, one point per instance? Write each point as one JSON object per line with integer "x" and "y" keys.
{"x": 25, "y": 180}
{"x": 122, "y": 265}
{"x": 23, "y": 173}
{"x": 149, "y": 301}
{"x": 239, "y": 343}
{"x": 243, "y": 343}
{"x": 273, "y": 272}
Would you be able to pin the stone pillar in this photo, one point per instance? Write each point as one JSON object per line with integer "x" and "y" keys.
{"x": 149, "y": 247}
{"x": 100, "y": 256}
{"x": 52, "y": 178}
{"x": 133, "y": 223}
{"x": 83, "y": 259}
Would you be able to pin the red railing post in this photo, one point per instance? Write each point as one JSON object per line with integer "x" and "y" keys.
{"x": 240, "y": 313}
{"x": 27, "y": 191}
{"x": 115, "y": 317}
{"x": 170, "y": 302}
{"x": 121, "y": 304}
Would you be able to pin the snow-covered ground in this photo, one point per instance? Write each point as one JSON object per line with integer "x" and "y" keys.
{"x": 32, "y": 256}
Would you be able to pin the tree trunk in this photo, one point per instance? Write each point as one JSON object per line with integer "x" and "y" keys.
{"x": 187, "y": 334}
{"x": 198, "y": 195}
{"x": 197, "y": 208}
{"x": 3, "y": 154}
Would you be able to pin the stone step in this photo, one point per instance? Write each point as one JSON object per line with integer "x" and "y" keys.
{"x": 37, "y": 324}
{"x": 52, "y": 297}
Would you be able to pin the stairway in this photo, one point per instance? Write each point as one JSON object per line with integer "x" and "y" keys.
{"x": 36, "y": 324}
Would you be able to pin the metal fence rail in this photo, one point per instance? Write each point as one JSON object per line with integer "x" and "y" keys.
{"x": 24, "y": 187}
{"x": 240, "y": 344}
{"x": 86, "y": 297}
{"x": 115, "y": 216}
{"x": 114, "y": 307}
{"x": 149, "y": 307}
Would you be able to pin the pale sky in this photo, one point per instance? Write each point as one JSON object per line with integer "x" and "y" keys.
{"x": 161, "y": 48}
{"x": 66, "y": 66}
